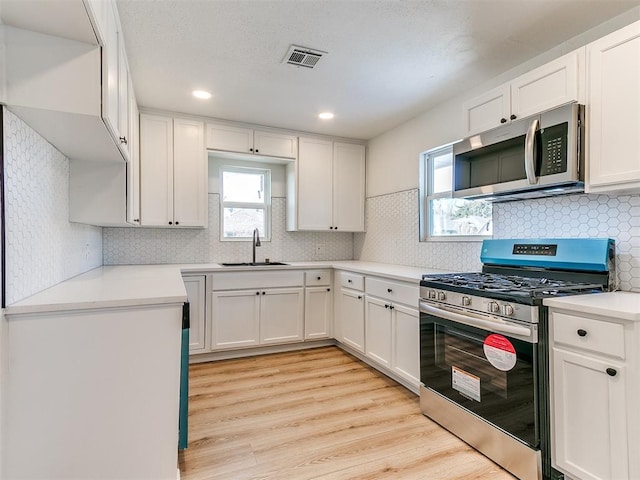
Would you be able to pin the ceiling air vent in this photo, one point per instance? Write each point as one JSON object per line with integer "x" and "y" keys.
{"x": 303, "y": 56}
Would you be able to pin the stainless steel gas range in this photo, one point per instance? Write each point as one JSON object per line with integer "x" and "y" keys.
{"x": 484, "y": 367}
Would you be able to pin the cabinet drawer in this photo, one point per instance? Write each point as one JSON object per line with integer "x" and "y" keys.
{"x": 597, "y": 336}
{"x": 317, "y": 278}
{"x": 396, "y": 292}
{"x": 242, "y": 280}
{"x": 352, "y": 280}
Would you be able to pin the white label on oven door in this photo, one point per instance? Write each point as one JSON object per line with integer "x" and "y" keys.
{"x": 465, "y": 383}
{"x": 500, "y": 352}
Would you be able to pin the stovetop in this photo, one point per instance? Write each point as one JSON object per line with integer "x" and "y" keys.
{"x": 507, "y": 286}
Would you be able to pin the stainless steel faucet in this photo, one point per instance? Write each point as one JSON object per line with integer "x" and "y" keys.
{"x": 256, "y": 243}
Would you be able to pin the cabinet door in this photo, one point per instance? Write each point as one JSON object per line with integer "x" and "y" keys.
{"x": 548, "y": 86}
{"x": 156, "y": 170}
{"x": 405, "y": 351}
{"x": 613, "y": 111}
{"x": 123, "y": 99}
{"x": 189, "y": 174}
{"x": 275, "y": 144}
{"x": 195, "y": 293}
{"x": 110, "y": 76}
{"x": 589, "y": 417}
{"x": 235, "y": 319}
{"x": 317, "y": 312}
{"x": 133, "y": 165}
{"x": 281, "y": 315}
{"x": 315, "y": 178}
{"x": 228, "y": 138}
{"x": 378, "y": 331}
{"x": 350, "y": 318}
{"x": 348, "y": 187}
{"x": 487, "y": 111}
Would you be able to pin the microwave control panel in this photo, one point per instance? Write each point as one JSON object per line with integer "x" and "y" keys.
{"x": 554, "y": 149}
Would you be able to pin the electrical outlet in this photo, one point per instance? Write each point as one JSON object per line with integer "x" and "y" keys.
{"x": 319, "y": 252}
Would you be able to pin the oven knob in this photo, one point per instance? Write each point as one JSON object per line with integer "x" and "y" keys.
{"x": 494, "y": 307}
{"x": 466, "y": 301}
{"x": 432, "y": 294}
{"x": 507, "y": 310}
{"x": 442, "y": 296}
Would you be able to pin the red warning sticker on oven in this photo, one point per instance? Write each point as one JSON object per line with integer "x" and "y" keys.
{"x": 500, "y": 352}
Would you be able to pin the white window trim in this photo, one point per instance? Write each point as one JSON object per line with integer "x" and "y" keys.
{"x": 264, "y": 236}
{"x": 425, "y": 188}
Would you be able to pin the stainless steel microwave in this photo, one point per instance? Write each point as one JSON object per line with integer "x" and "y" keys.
{"x": 534, "y": 157}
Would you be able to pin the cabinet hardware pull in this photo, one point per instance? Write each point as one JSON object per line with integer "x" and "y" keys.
{"x": 123, "y": 140}
{"x": 513, "y": 117}
{"x": 251, "y": 149}
{"x": 257, "y": 293}
{"x": 330, "y": 228}
{"x": 136, "y": 220}
{"x": 582, "y": 333}
{"x": 386, "y": 306}
{"x": 503, "y": 120}
{"x": 611, "y": 372}
{"x": 257, "y": 150}
{"x": 389, "y": 290}
{"x": 264, "y": 293}
{"x": 328, "y": 289}
{"x": 170, "y": 223}
{"x": 319, "y": 278}
{"x": 335, "y": 228}
{"x": 359, "y": 297}
{"x": 391, "y": 307}
{"x": 177, "y": 223}
{"x": 349, "y": 281}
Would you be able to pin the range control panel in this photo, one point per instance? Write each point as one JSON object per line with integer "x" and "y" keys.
{"x": 549, "y": 250}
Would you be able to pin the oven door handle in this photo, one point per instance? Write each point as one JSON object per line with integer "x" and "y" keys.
{"x": 497, "y": 326}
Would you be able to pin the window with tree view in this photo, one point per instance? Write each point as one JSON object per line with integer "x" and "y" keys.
{"x": 442, "y": 215}
{"x": 245, "y": 204}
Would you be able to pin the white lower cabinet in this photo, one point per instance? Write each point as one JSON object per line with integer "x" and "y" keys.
{"x": 281, "y": 315}
{"x": 235, "y": 319}
{"x": 196, "y": 294}
{"x": 594, "y": 393}
{"x": 405, "y": 348}
{"x": 271, "y": 311}
{"x": 378, "y": 330}
{"x": 318, "y": 312}
{"x": 350, "y": 319}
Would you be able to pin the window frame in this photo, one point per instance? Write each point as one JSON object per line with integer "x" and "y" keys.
{"x": 266, "y": 206}
{"x": 426, "y": 195}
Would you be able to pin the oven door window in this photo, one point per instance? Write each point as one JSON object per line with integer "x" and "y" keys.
{"x": 502, "y": 389}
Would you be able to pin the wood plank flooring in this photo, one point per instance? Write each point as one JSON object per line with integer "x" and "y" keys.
{"x": 315, "y": 414}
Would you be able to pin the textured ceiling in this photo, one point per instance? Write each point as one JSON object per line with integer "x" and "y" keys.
{"x": 387, "y": 61}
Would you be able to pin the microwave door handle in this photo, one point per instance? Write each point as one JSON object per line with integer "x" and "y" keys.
{"x": 496, "y": 326}
{"x": 530, "y": 152}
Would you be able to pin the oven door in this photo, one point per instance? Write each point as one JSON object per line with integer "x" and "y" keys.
{"x": 484, "y": 364}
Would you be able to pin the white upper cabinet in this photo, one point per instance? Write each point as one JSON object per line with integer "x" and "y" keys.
{"x": 173, "y": 172}
{"x": 555, "y": 83}
{"x": 613, "y": 112}
{"x": 330, "y": 187}
{"x": 69, "y": 85}
{"x": 230, "y": 138}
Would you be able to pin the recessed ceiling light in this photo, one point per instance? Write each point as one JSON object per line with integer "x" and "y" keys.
{"x": 326, "y": 115}
{"x": 201, "y": 94}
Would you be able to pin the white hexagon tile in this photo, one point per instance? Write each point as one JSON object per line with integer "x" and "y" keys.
{"x": 42, "y": 247}
{"x": 161, "y": 245}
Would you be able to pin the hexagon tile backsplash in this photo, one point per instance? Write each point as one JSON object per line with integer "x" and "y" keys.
{"x": 42, "y": 247}
{"x": 162, "y": 245}
{"x": 392, "y": 230}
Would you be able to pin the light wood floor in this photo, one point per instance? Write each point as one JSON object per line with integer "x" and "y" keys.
{"x": 314, "y": 414}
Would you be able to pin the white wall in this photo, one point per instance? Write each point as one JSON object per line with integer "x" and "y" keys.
{"x": 392, "y": 161}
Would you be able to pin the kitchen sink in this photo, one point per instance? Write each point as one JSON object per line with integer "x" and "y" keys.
{"x": 249, "y": 264}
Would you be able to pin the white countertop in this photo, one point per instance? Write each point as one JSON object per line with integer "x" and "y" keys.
{"x": 131, "y": 285}
{"x": 621, "y": 305}
{"x": 396, "y": 272}
{"x": 109, "y": 286}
